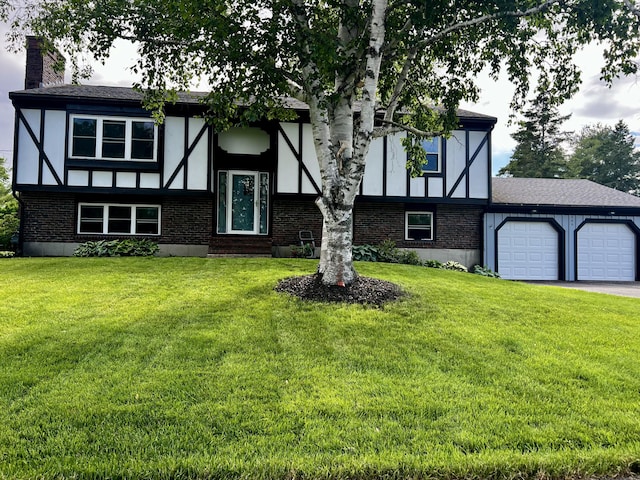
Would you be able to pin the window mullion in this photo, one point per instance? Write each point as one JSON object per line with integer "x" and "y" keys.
{"x": 99, "y": 128}
{"x": 105, "y": 219}
{"x": 132, "y": 227}
{"x": 128, "y": 139}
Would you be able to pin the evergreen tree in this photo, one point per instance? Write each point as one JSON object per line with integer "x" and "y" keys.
{"x": 606, "y": 155}
{"x": 539, "y": 152}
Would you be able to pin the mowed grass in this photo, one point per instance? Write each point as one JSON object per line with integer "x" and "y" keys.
{"x": 196, "y": 368}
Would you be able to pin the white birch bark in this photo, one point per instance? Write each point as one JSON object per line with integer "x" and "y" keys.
{"x": 342, "y": 160}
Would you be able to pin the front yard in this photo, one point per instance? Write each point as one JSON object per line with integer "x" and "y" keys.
{"x": 196, "y": 368}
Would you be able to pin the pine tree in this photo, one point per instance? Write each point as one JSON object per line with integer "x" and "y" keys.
{"x": 606, "y": 155}
{"x": 539, "y": 152}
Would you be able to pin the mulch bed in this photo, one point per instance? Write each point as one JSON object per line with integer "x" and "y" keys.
{"x": 364, "y": 290}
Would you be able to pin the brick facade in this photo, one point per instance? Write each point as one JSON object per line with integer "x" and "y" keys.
{"x": 290, "y": 216}
{"x": 52, "y": 217}
{"x": 456, "y": 226}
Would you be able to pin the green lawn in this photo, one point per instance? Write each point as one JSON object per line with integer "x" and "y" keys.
{"x": 196, "y": 368}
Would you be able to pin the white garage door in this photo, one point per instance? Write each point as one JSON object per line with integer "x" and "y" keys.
{"x": 528, "y": 251}
{"x": 606, "y": 251}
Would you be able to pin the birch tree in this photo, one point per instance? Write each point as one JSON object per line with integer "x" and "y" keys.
{"x": 365, "y": 68}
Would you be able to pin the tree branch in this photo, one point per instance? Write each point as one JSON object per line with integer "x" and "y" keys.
{"x": 486, "y": 18}
{"x": 396, "y": 127}
{"x": 400, "y": 84}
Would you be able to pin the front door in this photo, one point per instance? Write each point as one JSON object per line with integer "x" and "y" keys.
{"x": 243, "y": 202}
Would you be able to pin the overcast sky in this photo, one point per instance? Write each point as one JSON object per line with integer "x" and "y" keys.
{"x": 594, "y": 103}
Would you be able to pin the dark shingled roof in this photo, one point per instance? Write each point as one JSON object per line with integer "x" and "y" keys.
{"x": 94, "y": 92}
{"x": 558, "y": 192}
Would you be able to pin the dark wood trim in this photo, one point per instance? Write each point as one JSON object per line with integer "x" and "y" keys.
{"x": 188, "y": 152}
{"x": 298, "y": 156}
{"x": 42, "y": 155}
{"x": 468, "y": 163}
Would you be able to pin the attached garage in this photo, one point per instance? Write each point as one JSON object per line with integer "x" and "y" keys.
{"x": 528, "y": 250}
{"x": 560, "y": 229}
{"x": 606, "y": 251}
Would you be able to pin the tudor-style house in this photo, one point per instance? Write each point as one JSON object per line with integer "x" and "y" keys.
{"x": 90, "y": 163}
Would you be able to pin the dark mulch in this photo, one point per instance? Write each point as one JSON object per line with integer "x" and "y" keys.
{"x": 364, "y": 290}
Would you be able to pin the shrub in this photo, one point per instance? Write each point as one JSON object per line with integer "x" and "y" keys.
{"x": 6, "y": 254}
{"x": 9, "y": 224}
{"x": 386, "y": 252}
{"x": 409, "y": 257}
{"x": 117, "y": 248}
{"x": 366, "y": 253}
{"x": 451, "y": 265}
{"x": 432, "y": 263}
{"x": 485, "y": 271}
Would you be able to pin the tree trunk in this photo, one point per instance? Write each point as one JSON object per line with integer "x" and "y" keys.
{"x": 336, "y": 259}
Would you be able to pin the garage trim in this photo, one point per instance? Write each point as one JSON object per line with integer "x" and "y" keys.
{"x": 632, "y": 226}
{"x": 554, "y": 224}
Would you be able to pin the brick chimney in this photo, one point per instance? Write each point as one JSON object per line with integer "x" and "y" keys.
{"x": 43, "y": 68}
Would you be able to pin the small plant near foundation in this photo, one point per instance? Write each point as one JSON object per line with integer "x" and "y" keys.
{"x": 117, "y": 248}
{"x": 455, "y": 266}
{"x": 485, "y": 271}
{"x": 6, "y": 254}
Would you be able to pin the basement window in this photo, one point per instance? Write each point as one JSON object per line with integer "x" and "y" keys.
{"x": 419, "y": 226}
{"x": 118, "y": 219}
{"x": 112, "y": 138}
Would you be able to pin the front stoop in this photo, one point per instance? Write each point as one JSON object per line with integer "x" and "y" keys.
{"x": 240, "y": 246}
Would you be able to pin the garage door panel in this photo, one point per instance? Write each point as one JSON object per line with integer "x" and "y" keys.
{"x": 606, "y": 252}
{"x": 528, "y": 251}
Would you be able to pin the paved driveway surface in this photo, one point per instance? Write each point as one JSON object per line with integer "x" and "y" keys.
{"x": 624, "y": 289}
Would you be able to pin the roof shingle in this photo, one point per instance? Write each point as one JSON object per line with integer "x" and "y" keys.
{"x": 558, "y": 192}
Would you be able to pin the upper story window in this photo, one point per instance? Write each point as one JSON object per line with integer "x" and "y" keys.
{"x": 432, "y": 147}
{"x": 113, "y": 138}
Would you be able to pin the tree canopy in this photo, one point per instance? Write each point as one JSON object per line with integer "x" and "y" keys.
{"x": 606, "y": 155}
{"x": 366, "y": 68}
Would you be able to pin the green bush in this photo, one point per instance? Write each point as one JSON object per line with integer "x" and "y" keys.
{"x": 9, "y": 222}
{"x": 485, "y": 271}
{"x": 432, "y": 263}
{"x": 117, "y": 248}
{"x": 409, "y": 257}
{"x": 386, "y": 252}
{"x": 6, "y": 254}
{"x": 365, "y": 253}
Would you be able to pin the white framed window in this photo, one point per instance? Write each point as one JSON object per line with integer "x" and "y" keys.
{"x": 433, "y": 147}
{"x": 418, "y": 226}
{"x": 118, "y": 219}
{"x": 112, "y": 138}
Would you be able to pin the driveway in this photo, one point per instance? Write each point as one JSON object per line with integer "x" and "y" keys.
{"x": 623, "y": 289}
